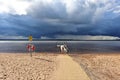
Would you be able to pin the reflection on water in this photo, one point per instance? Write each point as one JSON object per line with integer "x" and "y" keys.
{"x": 50, "y": 46}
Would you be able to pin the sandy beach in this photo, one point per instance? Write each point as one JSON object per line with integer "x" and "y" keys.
{"x": 44, "y": 66}
{"x": 40, "y": 66}
{"x": 100, "y": 66}
{"x": 23, "y": 67}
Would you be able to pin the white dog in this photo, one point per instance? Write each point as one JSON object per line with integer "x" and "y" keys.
{"x": 63, "y": 48}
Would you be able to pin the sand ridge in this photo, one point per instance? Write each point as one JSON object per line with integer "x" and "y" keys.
{"x": 68, "y": 70}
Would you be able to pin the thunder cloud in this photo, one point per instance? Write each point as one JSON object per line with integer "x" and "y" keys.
{"x": 58, "y": 18}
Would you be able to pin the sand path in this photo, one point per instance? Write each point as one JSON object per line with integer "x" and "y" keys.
{"x": 69, "y": 70}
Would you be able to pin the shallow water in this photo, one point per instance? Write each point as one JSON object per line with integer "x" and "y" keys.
{"x": 51, "y": 46}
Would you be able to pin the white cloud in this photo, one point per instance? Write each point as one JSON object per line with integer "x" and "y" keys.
{"x": 70, "y": 6}
{"x": 14, "y": 6}
{"x": 116, "y": 10}
{"x": 86, "y": 37}
{"x": 44, "y": 37}
{"x": 76, "y": 11}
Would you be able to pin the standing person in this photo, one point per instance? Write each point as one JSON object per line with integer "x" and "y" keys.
{"x": 63, "y": 48}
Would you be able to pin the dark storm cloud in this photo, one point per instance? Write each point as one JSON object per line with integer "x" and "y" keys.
{"x": 26, "y": 25}
{"x": 14, "y": 24}
{"x": 64, "y": 17}
{"x": 66, "y": 12}
{"x": 78, "y": 17}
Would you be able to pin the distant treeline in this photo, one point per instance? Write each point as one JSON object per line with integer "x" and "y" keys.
{"x": 53, "y": 40}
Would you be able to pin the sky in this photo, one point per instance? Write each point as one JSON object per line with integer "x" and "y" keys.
{"x": 60, "y": 19}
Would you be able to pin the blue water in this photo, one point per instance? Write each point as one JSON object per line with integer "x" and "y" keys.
{"x": 50, "y": 46}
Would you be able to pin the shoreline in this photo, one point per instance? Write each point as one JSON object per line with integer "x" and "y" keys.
{"x": 77, "y": 53}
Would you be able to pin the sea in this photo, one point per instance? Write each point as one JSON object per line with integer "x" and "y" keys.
{"x": 51, "y": 46}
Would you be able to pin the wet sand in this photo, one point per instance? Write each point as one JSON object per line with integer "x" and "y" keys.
{"x": 23, "y": 67}
{"x": 100, "y": 66}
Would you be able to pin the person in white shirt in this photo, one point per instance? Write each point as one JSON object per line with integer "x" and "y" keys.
{"x": 63, "y": 48}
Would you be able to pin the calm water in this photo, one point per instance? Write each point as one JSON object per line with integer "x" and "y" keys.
{"x": 50, "y": 46}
